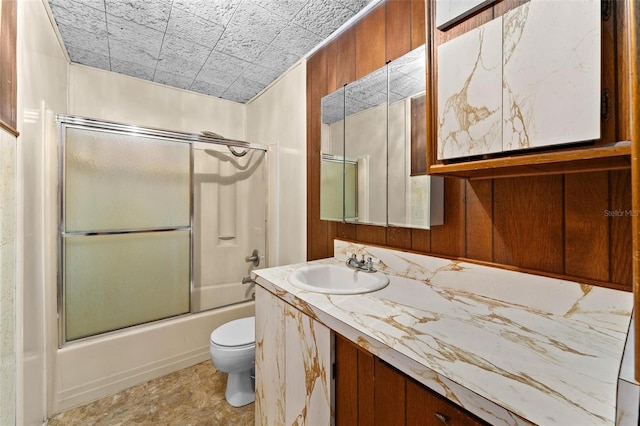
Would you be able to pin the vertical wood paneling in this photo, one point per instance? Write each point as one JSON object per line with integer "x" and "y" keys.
{"x": 332, "y": 233}
{"x": 418, "y": 27}
{"x": 608, "y": 127}
{"x": 365, "y": 388}
{"x": 332, "y": 68}
{"x": 8, "y": 64}
{"x": 398, "y": 28}
{"x": 346, "y": 57}
{"x": 622, "y": 72}
{"x": 316, "y": 88}
{"x": 371, "y": 234}
{"x": 421, "y": 240}
{"x": 634, "y": 20}
{"x": 399, "y": 238}
{"x": 370, "y": 41}
{"x": 479, "y": 218}
{"x": 346, "y": 231}
{"x": 621, "y": 232}
{"x": 346, "y": 382}
{"x": 527, "y": 222}
{"x": 449, "y": 239}
{"x": 586, "y": 245}
{"x": 390, "y": 394}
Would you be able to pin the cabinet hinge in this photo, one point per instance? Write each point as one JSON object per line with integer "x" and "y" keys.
{"x": 607, "y": 9}
{"x": 605, "y": 99}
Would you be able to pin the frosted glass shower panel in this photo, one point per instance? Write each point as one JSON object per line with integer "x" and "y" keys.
{"x": 124, "y": 181}
{"x": 116, "y": 281}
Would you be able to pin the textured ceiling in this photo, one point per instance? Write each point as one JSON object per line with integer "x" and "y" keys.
{"x": 231, "y": 49}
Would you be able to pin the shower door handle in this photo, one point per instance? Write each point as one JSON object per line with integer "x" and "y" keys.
{"x": 254, "y": 258}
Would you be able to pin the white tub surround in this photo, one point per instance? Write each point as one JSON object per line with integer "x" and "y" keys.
{"x": 512, "y": 348}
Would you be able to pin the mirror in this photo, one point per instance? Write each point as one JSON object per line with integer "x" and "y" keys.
{"x": 411, "y": 190}
{"x": 365, "y": 135}
{"x": 332, "y": 170}
{"x": 370, "y": 128}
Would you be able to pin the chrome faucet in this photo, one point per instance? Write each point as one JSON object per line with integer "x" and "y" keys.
{"x": 361, "y": 265}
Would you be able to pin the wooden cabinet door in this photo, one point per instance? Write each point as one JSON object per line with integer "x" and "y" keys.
{"x": 368, "y": 391}
{"x": 389, "y": 406}
{"x": 354, "y": 390}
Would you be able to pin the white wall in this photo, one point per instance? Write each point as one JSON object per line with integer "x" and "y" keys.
{"x": 105, "y": 95}
{"x": 42, "y": 80}
{"x": 278, "y": 118}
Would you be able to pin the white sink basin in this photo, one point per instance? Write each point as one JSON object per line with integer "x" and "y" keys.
{"x": 337, "y": 279}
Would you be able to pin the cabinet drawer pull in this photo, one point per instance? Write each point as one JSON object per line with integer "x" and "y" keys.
{"x": 443, "y": 419}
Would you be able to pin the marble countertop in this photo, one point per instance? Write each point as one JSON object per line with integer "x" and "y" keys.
{"x": 512, "y": 348}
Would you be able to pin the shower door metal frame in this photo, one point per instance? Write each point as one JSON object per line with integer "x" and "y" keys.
{"x": 64, "y": 122}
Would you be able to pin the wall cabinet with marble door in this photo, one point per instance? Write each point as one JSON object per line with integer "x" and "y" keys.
{"x": 293, "y": 365}
{"x": 527, "y": 79}
{"x": 368, "y": 391}
{"x": 529, "y": 87}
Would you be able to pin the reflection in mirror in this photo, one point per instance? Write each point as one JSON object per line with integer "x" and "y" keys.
{"x": 338, "y": 189}
{"x": 375, "y": 129}
{"x": 410, "y": 189}
{"x": 365, "y": 129}
{"x": 332, "y": 166}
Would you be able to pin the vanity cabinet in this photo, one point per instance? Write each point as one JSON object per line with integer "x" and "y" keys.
{"x": 369, "y": 391}
{"x": 293, "y": 360}
{"x": 529, "y": 87}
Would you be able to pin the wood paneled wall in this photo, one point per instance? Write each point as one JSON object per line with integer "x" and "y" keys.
{"x": 574, "y": 225}
{"x": 8, "y": 73}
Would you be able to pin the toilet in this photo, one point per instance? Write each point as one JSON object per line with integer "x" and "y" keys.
{"x": 232, "y": 347}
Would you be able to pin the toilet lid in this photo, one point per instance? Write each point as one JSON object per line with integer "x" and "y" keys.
{"x": 239, "y": 332}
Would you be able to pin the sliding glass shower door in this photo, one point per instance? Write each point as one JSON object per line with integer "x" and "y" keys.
{"x": 125, "y": 230}
{"x": 154, "y": 224}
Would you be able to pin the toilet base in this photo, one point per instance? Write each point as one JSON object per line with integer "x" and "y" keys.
{"x": 240, "y": 390}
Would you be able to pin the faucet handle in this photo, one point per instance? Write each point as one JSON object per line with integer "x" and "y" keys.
{"x": 369, "y": 265}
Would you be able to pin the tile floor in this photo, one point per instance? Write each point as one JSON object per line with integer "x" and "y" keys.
{"x": 190, "y": 397}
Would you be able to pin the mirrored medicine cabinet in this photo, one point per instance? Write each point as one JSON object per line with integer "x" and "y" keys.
{"x": 369, "y": 129}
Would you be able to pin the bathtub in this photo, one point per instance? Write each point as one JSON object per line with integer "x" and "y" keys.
{"x": 101, "y": 366}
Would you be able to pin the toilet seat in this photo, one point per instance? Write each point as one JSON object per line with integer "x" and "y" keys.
{"x": 240, "y": 332}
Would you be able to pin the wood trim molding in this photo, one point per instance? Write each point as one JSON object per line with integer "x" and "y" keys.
{"x": 8, "y": 72}
{"x": 634, "y": 18}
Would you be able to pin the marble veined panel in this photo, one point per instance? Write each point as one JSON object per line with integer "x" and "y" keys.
{"x": 551, "y": 73}
{"x": 270, "y": 358}
{"x": 308, "y": 348}
{"x": 469, "y": 93}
